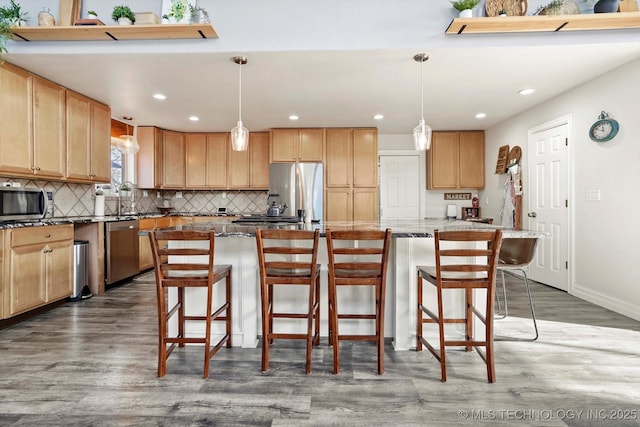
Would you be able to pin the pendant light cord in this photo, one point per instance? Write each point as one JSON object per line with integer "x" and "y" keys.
{"x": 422, "y": 89}
{"x": 240, "y": 91}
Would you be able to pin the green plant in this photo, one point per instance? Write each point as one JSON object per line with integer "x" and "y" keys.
{"x": 123, "y": 12}
{"x": 92, "y": 13}
{"x": 554, "y": 5}
{"x": 5, "y": 34}
{"x": 178, "y": 9}
{"x": 198, "y": 15}
{"x": 12, "y": 15}
{"x": 461, "y": 5}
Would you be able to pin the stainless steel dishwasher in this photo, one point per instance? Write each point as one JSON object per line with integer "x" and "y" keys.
{"x": 121, "y": 250}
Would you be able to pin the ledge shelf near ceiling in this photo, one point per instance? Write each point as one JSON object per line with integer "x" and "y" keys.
{"x": 545, "y": 23}
{"x": 115, "y": 32}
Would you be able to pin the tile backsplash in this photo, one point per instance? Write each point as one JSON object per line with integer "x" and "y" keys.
{"x": 78, "y": 199}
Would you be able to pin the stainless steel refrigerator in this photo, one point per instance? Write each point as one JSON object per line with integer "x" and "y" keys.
{"x": 299, "y": 186}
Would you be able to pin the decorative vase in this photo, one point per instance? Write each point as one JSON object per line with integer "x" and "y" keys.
{"x": 606, "y": 6}
{"x": 467, "y": 13}
{"x": 124, "y": 21}
{"x": 45, "y": 18}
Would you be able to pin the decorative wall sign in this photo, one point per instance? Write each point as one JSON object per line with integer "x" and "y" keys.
{"x": 457, "y": 196}
{"x": 503, "y": 155}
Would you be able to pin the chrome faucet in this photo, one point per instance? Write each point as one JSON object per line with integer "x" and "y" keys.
{"x": 127, "y": 187}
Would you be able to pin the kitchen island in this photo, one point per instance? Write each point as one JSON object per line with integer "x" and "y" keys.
{"x": 412, "y": 245}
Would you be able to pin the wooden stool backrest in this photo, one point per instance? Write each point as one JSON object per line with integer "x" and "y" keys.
{"x": 457, "y": 265}
{"x": 354, "y": 263}
{"x": 287, "y": 252}
{"x": 189, "y": 268}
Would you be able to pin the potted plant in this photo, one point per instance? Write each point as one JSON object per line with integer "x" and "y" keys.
{"x": 464, "y": 7}
{"x": 13, "y": 15}
{"x": 198, "y": 15}
{"x": 123, "y": 15}
{"x": 5, "y": 34}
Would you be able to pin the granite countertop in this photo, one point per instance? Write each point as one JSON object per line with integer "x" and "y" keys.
{"x": 227, "y": 228}
{"x": 399, "y": 228}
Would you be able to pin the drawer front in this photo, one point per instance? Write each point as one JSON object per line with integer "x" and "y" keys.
{"x": 31, "y": 235}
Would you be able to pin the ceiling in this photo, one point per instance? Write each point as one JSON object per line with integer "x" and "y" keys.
{"x": 329, "y": 88}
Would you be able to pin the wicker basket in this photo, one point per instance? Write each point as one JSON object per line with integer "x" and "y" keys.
{"x": 512, "y": 7}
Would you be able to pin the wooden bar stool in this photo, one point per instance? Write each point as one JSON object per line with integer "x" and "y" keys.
{"x": 289, "y": 258}
{"x": 357, "y": 258}
{"x": 191, "y": 266}
{"x": 457, "y": 267}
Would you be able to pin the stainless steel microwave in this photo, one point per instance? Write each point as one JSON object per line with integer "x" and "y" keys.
{"x": 22, "y": 203}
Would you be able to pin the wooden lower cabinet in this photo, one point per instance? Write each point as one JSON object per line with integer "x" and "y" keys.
{"x": 351, "y": 204}
{"x": 38, "y": 267}
{"x": 145, "y": 257}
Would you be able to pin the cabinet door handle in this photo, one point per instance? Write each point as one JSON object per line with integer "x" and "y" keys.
{"x": 47, "y": 235}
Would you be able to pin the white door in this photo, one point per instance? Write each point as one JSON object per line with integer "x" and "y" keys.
{"x": 548, "y": 203}
{"x": 399, "y": 187}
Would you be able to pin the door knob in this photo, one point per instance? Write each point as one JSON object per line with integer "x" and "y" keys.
{"x": 532, "y": 214}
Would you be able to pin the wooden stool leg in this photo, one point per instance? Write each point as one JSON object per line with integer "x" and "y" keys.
{"x": 207, "y": 333}
{"x": 316, "y": 340}
{"x": 491, "y": 371}
{"x": 443, "y": 354}
{"x": 265, "y": 328}
{"x": 228, "y": 311}
{"x": 469, "y": 317}
{"x": 380, "y": 328}
{"x": 162, "y": 334}
{"x": 335, "y": 342}
{"x": 310, "y": 327}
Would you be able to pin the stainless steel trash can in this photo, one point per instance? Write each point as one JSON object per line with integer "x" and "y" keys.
{"x": 80, "y": 270}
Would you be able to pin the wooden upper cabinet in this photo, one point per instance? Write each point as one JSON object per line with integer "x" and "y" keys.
{"x": 88, "y": 139}
{"x": 34, "y": 142}
{"x": 456, "y": 160}
{"x": 471, "y": 159}
{"x": 365, "y": 158}
{"x": 351, "y": 174}
{"x": 149, "y": 158}
{"x": 78, "y": 136}
{"x": 352, "y": 157}
{"x": 239, "y": 171}
{"x": 218, "y": 147}
{"x": 259, "y": 152}
{"x": 100, "y": 152}
{"x": 339, "y": 172}
{"x": 16, "y": 149}
{"x": 297, "y": 145}
{"x": 196, "y": 160}
{"x": 173, "y": 159}
{"x": 49, "y": 139}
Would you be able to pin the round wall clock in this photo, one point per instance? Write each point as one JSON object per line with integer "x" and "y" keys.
{"x": 605, "y": 129}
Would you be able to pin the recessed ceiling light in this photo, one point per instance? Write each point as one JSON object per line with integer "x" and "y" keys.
{"x": 378, "y": 117}
{"x": 194, "y": 118}
{"x": 526, "y": 91}
{"x": 293, "y": 117}
{"x": 159, "y": 96}
{"x": 481, "y": 116}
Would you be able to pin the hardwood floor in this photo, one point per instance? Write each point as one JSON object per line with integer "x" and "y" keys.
{"x": 93, "y": 363}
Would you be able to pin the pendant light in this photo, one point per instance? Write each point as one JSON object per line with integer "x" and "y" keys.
{"x": 128, "y": 144}
{"x": 422, "y": 132}
{"x": 239, "y": 134}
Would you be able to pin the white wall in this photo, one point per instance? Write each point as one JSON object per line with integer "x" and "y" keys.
{"x": 605, "y": 234}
